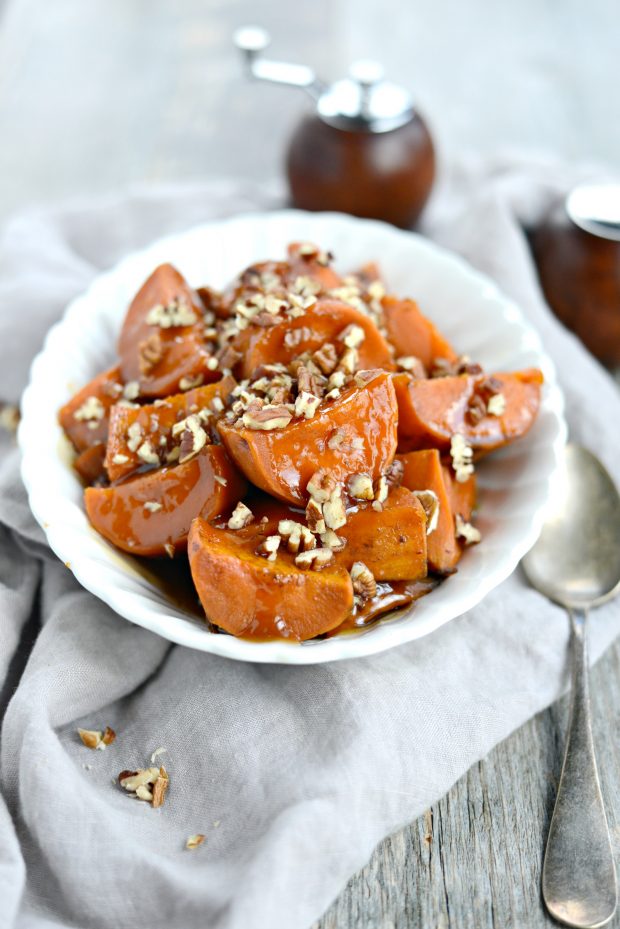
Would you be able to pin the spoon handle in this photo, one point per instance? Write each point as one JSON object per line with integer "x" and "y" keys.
{"x": 579, "y": 878}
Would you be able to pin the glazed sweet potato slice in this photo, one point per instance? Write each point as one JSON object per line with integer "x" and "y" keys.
{"x": 411, "y": 333}
{"x": 133, "y": 428}
{"x": 84, "y": 418}
{"x": 391, "y": 542}
{"x": 308, "y": 260}
{"x": 356, "y": 433}
{"x": 423, "y": 470}
{"x": 89, "y": 464}
{"x": 248, "y": 595}
{"x": 328, "y": 320}
{"x": 150, "y": 514}
{"x": 488, "y": 411}
{"x": 162, "y": 344}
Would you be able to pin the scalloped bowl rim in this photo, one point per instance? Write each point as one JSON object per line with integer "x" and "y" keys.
{"x": 132, "y": 603}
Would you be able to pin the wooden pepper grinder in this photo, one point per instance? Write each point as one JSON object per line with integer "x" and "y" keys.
{"x": 365, "y": 150}
{"x": 577, "y": 251}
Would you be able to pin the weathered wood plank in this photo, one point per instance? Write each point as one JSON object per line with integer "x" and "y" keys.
{"x": 478, "y": 866}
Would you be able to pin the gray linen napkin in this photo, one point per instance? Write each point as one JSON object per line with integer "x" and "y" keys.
{"x": 294, "y": 774}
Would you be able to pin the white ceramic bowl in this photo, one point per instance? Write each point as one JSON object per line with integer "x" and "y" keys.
{"x": 514, "y": 483}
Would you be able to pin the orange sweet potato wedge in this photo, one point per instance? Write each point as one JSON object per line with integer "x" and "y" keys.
{"x": 303, "y": 262}
{"x": 355, "y": 433}
{"x": 291, "y": 337}
{"x": 247, "y": 595}
{"x": 153, "y": 422}
{"x": 461, "y": 494}
{"x": 89, "y": 464}
{"x": 432, "y": 410}
{"x": 84, "y": 418}
{"x": 423, "y": 470}
{"x": 391, "y": 542}
{"x": 162, "y": 344}
{"x": 411, "y": 333}
{"x": 150, "y": 514}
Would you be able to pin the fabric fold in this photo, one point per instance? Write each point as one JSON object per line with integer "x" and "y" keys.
{"x": 294, "y": 774}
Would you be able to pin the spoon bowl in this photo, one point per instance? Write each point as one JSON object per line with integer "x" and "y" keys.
{"x": 576, "y": 563}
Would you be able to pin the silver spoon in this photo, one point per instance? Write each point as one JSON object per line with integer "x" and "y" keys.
{"x": 576, "y": 563}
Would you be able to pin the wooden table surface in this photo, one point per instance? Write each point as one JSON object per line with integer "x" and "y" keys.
{"x": 97, "y": 95}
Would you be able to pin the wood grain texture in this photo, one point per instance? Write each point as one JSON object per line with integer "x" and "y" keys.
{"x": 474, "y": 860}
{"x": 98, "y": 95}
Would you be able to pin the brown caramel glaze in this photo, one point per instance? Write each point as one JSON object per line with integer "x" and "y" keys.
{"x": 178, "y": 352}
{"x": 282, "y": 461}
{"x": 182, "y": 492}
{"x": 391, "y": 596}
{"x": 580, "y": 277}
{"x": 386, "y": 175}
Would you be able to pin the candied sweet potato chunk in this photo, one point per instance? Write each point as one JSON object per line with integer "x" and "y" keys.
{"x": 89, "y": 464}
{"x": 84, "y": 418}
{"x": 150, "y": 514}
{"x": 391, "y": 542}
{"x": 411, "y": 333}
{"x": 248, "y": 595}
{"x": 355, "y": 433}
{"x": 153, "y": 422}
{"x": 423, "y": 470}
{"x": 162, "y": 343}
{"x": 324, "y": 322}
{"x": 432, "y": 410}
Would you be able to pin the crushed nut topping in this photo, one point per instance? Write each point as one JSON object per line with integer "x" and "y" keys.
{"x": 321, "y": 485}
{"x": 315, "y": 559}
{"x": 134, "y": 437}
{"x": 91, "y": 412}
{"x": 352, "y": 336}
{"x": 269, "y": 417}
{"x": 148, "y": 784}
{"x": 241, "y": 516}
{"x": 381, "y": 493}
{"x": 9, "y": 417}
{"x": 152, "y": 506}
{"x": 360, "y": 487}
{"x": 441, "y": 367}
{"x": 193, "y": 436}
{"x": 466, "y": 531}
{"x": 329, "y": 539}
{"x": 188, "y": 383}
{"x": 148, "y": 454}
{"x": 412, "y": 365}
{"x": 326, "y": 358}
{"x": 131, "y": 390}
{"x": 395, "y": 472}
{"x": 269, "y": 547}
{"x": 150, "y": 353}
{"x": 120, "y": 459}
{"x": 334, "y": 512}
{"x": 364, "y": 583}
{"x": 496, "y": 405}
{"x": 306, "y": 405}
{"x": 173, "y": 314}
{"x": 169, "y": 549}
{"x": 314, "y": 516}
{"x": 221, "y": 480}
{"x": 430, "y": 504}
{"x": 296, "y": 536}
{"x": 462, "y": 455}
{"x": 195, "y": 841}
{"x": 93, "y": 738}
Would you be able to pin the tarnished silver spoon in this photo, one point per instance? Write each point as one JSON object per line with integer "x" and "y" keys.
{"x": 576, "y": 563}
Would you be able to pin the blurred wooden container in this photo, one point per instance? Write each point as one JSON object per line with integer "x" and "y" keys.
{"x": 577, "y": 251}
